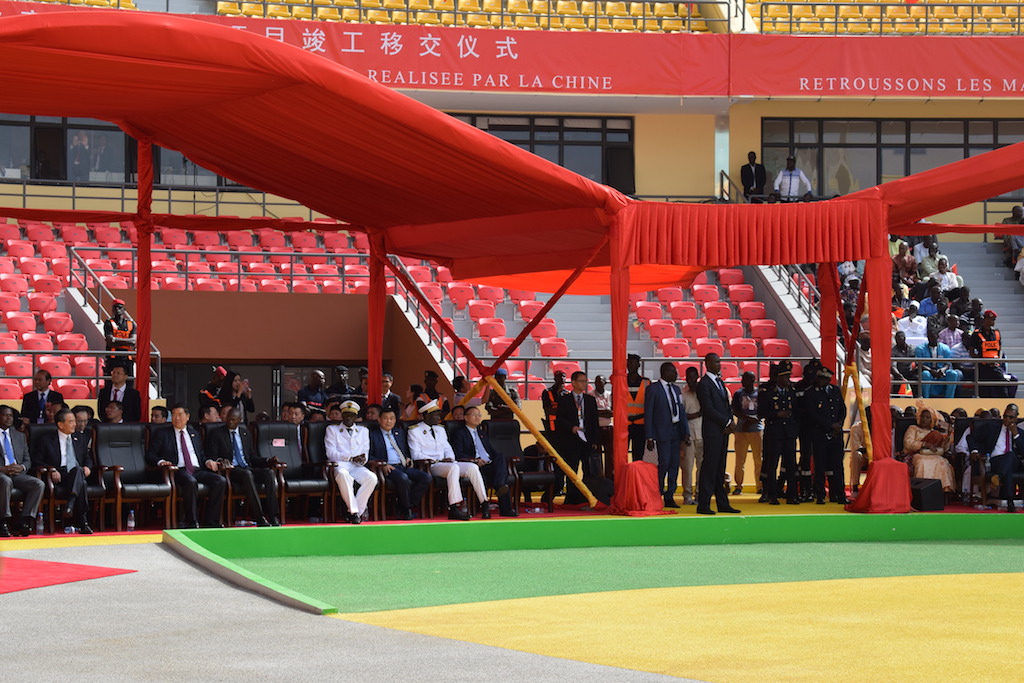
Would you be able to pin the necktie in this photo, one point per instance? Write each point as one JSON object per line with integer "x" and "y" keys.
{"x": 579, "y": 407}
{"x": 69, "y": 454}
{"x": 8, "y": 449}
{"x": 672, "y": 402}
{"x": 722, "y": 386}
{"x": 189, "y": 467}
{"x": 394, "y": 444}
{"x": 42, "y": 407}
{"x": 481, "y": 452}
{"x": 433, "y": 434}
{"x": 349, "y": 430}
{"x": 236, "y": 441}
{"x": 1007, "y": 440}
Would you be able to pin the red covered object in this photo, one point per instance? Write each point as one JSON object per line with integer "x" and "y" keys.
{"x": 886, "y": 488}
{"x": 636, "y": 491}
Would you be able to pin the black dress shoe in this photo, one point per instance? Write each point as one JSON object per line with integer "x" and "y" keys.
{"x": 405, "y": 514}
{"x": 730, "y": 510}
{"x": 189, "y": 525}
{"x": 355, "y": 518}
{"x": 820, "y": 501}
{"x": 705, "y": 511}
{"x": 509, "y": 513}
{"x": 275, "y": 521}
{"x": 762, "y": 499}
{"x": 671, "y": 503}
{"x": 262, "y": 521}
{"x": 792, "y": 501}
{"x": 4, "y": 531}
{"x": 455, "y": 512}
{"x": 24, "y": 528}
{"x": 85, "y": 528}
{"x": 485, "y": 511}
{"x": 773, "y": 501}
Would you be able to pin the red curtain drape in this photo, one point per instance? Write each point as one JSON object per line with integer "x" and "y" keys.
{"x": 143, "y": 291}
{"x": 620, "y": 319}
{"x": 376, "y": 302}
{"x": 830, "y": 307}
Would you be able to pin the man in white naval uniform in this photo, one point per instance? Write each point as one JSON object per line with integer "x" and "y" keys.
{"x": 348, "y": 444}
{"x": 429, "y": 442}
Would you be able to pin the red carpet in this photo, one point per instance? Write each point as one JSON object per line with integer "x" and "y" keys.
{"x": 18, "y": 575}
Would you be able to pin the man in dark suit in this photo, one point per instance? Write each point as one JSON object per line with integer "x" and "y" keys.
{"x": 14, "y": 475}
{"x": 389, "y": 400}
{"x": 578, "y": 432}
{"x": 716, "y": 411}
{"x": 666, "y": 429}
{"x": 753, "y": 177}
{"x": 118, "y": 390}
{"x": 232, "y": 444}
{"x": 1003, "y": 445}
{"x": 33, "y": 403}
{"x": 67, "y": 453}
{"x": 471, "y": 444}
{"x": 389, "y": 448}
{"x": 181, "y": 447}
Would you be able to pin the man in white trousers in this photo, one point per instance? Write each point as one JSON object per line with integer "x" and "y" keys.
{"x": 429, "y": 442}
{"x": 348, "y": 444}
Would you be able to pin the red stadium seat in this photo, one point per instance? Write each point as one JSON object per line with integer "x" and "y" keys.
{"x": 648, "y": 310}
{"x": 273, "y": 286}
{"x": 534, "y": 391}
{"x": 763, "y": 329}
{"x": 433, "y": 292}
{"x": 566, "y": 366}
{"x": 705, "y": 293}
{"x": 730, "y": 371}
{"x": 260, "y": 268}
{"x": 19, "y": 249}
{"x": 240, "y": 238}
{"x": 9, "y": 231}
{"x": 6, "y": 264}
{"x": 751, "y": 310}
{"x": 335, "y": 287}
{"x": 727, "y": 328}
{"x": 113, "y": 282}
{"x": 20, "y": 322}
{"x": 742, "y": 348}
{"x": 442, "y": 275}
{"x": 529, "y": 309}
{"x": 33, "y": 341}
{"x": 675, "y": 348}
{"x": 206, "y": 238}
{"x": 661, "y": 329}
{"x": 72, "y": 341}
{"x": 681, "y": 367}
{"x": 706, "y": 345}
{"x": 46, "y": 283}
{"x": 478, "y": 308}
{"x": 208, "y": 285}
{"x": 41, "y": 231}
{"x": 335, "y": 240}
{"x": 357, "y": 271}
{"x": 554, "y": 349}
{"x": 360, "y": 241}
{"x": 18, "y": 366}
{"x": 500, "y": 344}
{"x": 52, "y": 250}
{"x": 243, "y": 285}
{"x": 58, "y": 323}
{"x": 10, "y": 390}
{"x": 693, "y": 329}
{"x": 798, "y": 372}
{"x": 517, "y": 368}
{"x": 682, "y": 310}
{"x": 517, "y": 295}
{"x": 357, "y": 285}
{"x": 177, "y": 284}
{"x": 460, "y": 294}
{"x": 30, "y": 265}
{"x": 9, "y": 302}
{"x": 107, "y": 235}
{"x": 303, "y": 239}
{"x": 730, "y": 276}
{"x": 270, "y": 238}
{"x": 279, "y": 255}
{"x": 667, "y": 295}
{"x": 58, "y": 366}
{"x": 701, "y": 279}
{"x": 488, "y": 293}
{"x": 636, "y": 298}
{"x": 488, "y": 328}
{"x": 15, "y": 284}
{"x": 545, "y": 328}
{"x": 741, "y": 293}
{"x": 776, "y": 348}
{"x": 70, "y": 232}
{"x": 85, "y": 366}
{"x": 716, "y": 310}
{"x": 74, "y": 388}
{"x": 305, "y": 287}
{"x": 8, "y": 342}
{"x": 421, "y": 273}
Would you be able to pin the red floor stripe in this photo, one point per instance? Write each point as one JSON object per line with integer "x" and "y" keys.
{"x": 18, "y": 574}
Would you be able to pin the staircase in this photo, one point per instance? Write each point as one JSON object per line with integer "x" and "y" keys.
{"x": 980, "y": 264}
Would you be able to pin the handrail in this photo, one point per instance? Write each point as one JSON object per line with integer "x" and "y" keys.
{"x": 957, "y": 363}
{"x": 728, "y": 190}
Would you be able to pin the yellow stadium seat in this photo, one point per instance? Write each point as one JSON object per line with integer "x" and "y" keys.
{"x": 896, "y": 12}
{"x": 399, "y": 17}
{"x": 305, "y": 12}
{"x": 992, "y": 12}
{"x": 802, "y": 11}
{"x": 574, "y": 23}
{"x": 670, "y": 25}
{"x": 517, "y": 7}
{"x": 315, "y": 2}
{"x": 419, "y": 5}
{"x": 808, "y": 26}
{"x": 252, "y": 9}
{"x": 616, "y": 9}
{"x": 699, "y": 26}
{"x": 871, "y": 11}
{"x": 665, "y": 10}
{"x": 825, "y": 12}
{"x": 232, "y": 9}
{"x": 98, "y": 3}
{"x": 943, "y": 12}
{"x": 567, "y": 7}
{"x": 394, "y": 4}
{"x": 125, "y": 4}
{"x": 428, "y": 19}
{"x": 858, "y": 26}
{"x": 467, "y": 5}
{"x": 905, "y": 25}
{"x": 918, "y": 12}
{"x": 849, "y": 12}
{"x": 1003, "y": 25}
{"x": 278, "y": 12}
{"x": 478, "y": 20}
{"x": 526, "y": 21}
{"x": 345, "y": 3}
{"x": 777, "y": 12}
{"x": 953, "y": 26}
{"x": 965, "y": 11}
{"x": 623, "y": 24}
{"x": 377, "y": 16}
{"x": 328, "y": 14}
{"x": 651, "y": 25}
{"x": 351, "y": 15}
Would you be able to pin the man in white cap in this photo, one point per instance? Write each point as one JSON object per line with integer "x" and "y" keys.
{"x": 429, "y": 442}
{"x": 348, "y": 444}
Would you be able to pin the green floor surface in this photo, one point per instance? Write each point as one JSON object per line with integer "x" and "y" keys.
{"x": 384, "y": 582}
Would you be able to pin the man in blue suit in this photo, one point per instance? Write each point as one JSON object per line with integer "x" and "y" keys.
{"x": 389, "y": 448}
{"x": 934, "y": 371}
{"x": 667, "y": 429}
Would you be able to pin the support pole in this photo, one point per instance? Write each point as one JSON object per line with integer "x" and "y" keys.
{"x": 545, "y": 444}
{"x": 829, "y": 309}
{"x": 619, "y": 286}
{"x": 143, "y": 289}
{"x": 376, "y": 302}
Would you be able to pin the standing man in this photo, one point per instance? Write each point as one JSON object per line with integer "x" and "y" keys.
{"x": 718, "y": 425}
{"x": 348, "y": 444}
{"x": 181, "y": 447}
{"x": 752, "y": 176}
{"x": 118, "y": 390}
{"x": 119, "y": 334}
{"x": 805, "y": 480}
{"x": 825, "y": 410}
{"x": 693, "y": 450}
{"x": 14, "y": 475}
{"x": 549, "y": 402}
{"x": 431, "y": 393}
{"x": 470, "y": 444}
{"x": 33, "y": 403}
{"x": 233, "y": 445}
{"x": 389, "y": 449}
{"x": 340, "y": 386}
{"x": 210, "y": 394}
{"x": 789, "y": 181}
{"x": 388, "y": 399}
{"x": 776, "y": 403}
{"x": 747, "y": 436}
{"x": 67, "y": 453}
{"x": 1002, "y": 447}
{"x": 667, "y": 429}
{"x": 985, "y": 342}
{"x": 637, "y": 385}
{"x": 313, "y": 396}
{"x": 578, "y": 433}
{"x": 496, "y": 408}
{"x": 602, "y": 395}
{"x": 429, "y": 443}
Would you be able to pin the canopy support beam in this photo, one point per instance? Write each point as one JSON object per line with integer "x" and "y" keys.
{"x": 144, "y": 286}
{"x": 376, "y": 302}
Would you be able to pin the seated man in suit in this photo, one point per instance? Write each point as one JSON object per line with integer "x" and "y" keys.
{"x": 348, "y": 444}
{"x": 1002, "y": 445}
{"x": 389, "y": 449}
{"x": 232, "y": 446}
{"x": 33, "y": 403}
{"x": 113, "y": 413}
{"x": 14, "y": 475}
{"x": 470, "y": 444}
{"x": 181, "y": 447}
{"x": 118, "y": 390}
{"x": 68, "y": 453}
{"x": 429, "y": 443}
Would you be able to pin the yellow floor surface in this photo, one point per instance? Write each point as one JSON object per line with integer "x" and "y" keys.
{"x": 917, "y": 628}
{"x": 75, "y": 541}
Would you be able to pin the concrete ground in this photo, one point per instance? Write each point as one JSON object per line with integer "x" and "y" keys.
{"x": 170, "y": 621}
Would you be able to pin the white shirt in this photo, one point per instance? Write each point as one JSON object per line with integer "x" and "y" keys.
{"x": 426, "y": 446}
{"x": 344, "y": 443}
{"x": 999, "y": 448}
{"x": 117, "y": 393}
{"x": 787, "y": 183}
{"x": 946, "y": 280}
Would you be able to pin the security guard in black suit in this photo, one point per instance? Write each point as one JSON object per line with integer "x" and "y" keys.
{"x": 776, "y": 403}
{"x": 803, "y": 474}
{"x": 825, "y": 412}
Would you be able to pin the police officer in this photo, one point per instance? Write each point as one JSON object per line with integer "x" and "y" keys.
{"x": 800, "y": 388}
{"x": 776, "y": 403}
{"x": 825, "y": 410}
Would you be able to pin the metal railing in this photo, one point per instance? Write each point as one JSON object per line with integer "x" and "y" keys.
{"x": 803, "y": 290}
{"x": 729, "y": 191}
{"x": 970, "y": 385}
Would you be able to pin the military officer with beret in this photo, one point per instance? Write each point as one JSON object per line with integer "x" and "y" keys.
{"x": 776, "y": 403}
{"x": 825, "y": 412}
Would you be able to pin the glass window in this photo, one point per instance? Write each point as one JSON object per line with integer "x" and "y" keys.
{"x": 980, "y": 132}
{"x": 774, "y": 132}
{"x": 546, "y": 135}
{"x": 805, "y": 131}
{"x": 617, "y": 137}
{"x": 176, "y": 169}
{"x": 849, "y": 132}
{"x": 583, "y": 135}
{"x": 511, "y": 134}
{"x": 927, "y": 158}
{"x": 49, "y": 150}
{"x": 585, "y": 160}
{"x": 937, "y": 132}
{"x": 549, "y": 152}
{"x": 894, "y": 132}
{"x": 848, "y": 169}
{"x": 583, "y": 123}
{"x": 13, "y": 117}
{"x": 79, "y": 156}
{"x": 106, "y": 157}
{"x": 894, "y": 163}
{"x": 807, "y": 161}
{"x": 14, "y": 152}
{"x": 1011, "y": 132}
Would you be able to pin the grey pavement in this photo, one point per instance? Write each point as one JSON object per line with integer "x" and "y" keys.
{"x": 170, "y": 621}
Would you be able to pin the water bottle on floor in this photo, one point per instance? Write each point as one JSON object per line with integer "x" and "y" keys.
{"x": 131, "y": 520}
{"x": 40, "y": 524}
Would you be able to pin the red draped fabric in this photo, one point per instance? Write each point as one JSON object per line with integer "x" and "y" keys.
{"x": 143, "y": 285}
{"x": 886, "y": 490}
{"x": 636, "y": 491}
